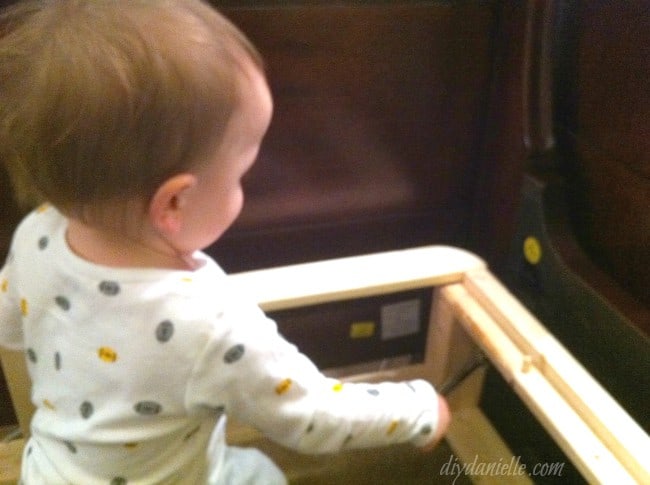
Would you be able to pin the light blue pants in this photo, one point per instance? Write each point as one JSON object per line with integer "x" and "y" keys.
{"x": 239, "y": 466}
{"x": 248, "y": 466}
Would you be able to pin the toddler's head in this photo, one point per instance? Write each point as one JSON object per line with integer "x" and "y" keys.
{"x": 102, "y": 101}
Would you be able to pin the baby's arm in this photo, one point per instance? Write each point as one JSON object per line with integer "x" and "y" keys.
{"x": 264, "y": 381}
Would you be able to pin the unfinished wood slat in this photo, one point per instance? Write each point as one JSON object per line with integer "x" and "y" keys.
{"x": 484, "y": 331}
{"x": 476, "y": 442}
{"x": 626, "y": 440}
{"x": 591, "y": 456}
{"x": 19, "y": 384}
{"x": 449, "y": 350}
{"x": 354, "y": 277}
{"x": 581, "y": 444}
{"x": 515, "y": 320}
{"x": 10, "y": 459}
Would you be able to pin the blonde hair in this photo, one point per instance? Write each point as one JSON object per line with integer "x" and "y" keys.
{"x": 103, "y": 100}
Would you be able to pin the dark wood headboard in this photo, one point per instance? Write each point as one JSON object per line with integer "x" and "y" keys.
{"x": 379, "y": 111}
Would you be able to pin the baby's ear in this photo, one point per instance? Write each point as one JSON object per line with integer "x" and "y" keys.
{"x": 168, "y": 204}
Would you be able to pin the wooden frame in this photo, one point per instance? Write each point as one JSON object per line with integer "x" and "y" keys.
{"x": 472, "y": 313}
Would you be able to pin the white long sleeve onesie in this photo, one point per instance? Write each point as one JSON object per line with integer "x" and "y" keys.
{"x": 132, "y": 368}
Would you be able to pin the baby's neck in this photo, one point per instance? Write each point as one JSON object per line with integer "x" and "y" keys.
{"x": 117, "y": 250}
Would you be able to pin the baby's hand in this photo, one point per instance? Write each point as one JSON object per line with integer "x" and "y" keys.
{"x": 444, "y": 417}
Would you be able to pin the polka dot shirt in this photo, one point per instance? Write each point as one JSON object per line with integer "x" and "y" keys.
{"x": 133, "y": 368}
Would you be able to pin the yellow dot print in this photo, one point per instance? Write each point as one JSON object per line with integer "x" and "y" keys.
{"x": 338, "y": 387}
{"x": 42, "y": 208}
{"x": 4, "y": 286}
{"x": 24, "y": 307}
{"x": 48, "y": 404}
{"x": 532, "y": 250}
{"x": 130, "y": 446}
{"x": 107, "y": 354}
{"x": 392, "y": 427}
{"x": 283, "y": 387}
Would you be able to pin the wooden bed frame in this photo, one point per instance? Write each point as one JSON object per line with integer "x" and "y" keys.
{"x": 472, "y": 314}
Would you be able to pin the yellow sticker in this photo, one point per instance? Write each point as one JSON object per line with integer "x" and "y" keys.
{"x": 107, "y": 354}
{"x": 362, "y": 329}
{"x": 4, "y": 286}
{"x": 338, "y": 387}
{"x": 532, "y": 250}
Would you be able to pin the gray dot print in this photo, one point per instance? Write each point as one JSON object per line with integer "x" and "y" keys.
{"x": 118, "y": 481}
{"x": 426, "y": 429}
{"x": 373, "y": 392}
{"x": 71, "y": 447}
{"x": 62, "y": 302}
{"x": 86, "y": 409}
{"x": 57, "y": 360}
{"x": 164, "y": 331}
{"x": 234, "y": 354}
{"x": 148, "y": 408}
{"x": 43, "y": 242}
{"x": 109, "y": 288}
{"x": 31, "y": 355}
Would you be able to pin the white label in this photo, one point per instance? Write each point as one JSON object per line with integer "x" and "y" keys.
{"x": 400, "y": 319}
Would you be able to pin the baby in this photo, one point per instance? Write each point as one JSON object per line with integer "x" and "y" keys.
{"x": 132, "y": 123}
